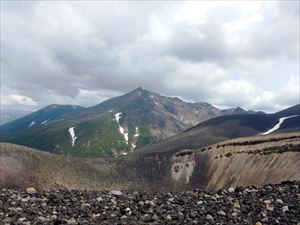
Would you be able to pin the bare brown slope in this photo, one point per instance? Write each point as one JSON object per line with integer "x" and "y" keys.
{"x": 21, "y": 166}
{"x": 254, "y": 161}
{"x": 245, "y": 161}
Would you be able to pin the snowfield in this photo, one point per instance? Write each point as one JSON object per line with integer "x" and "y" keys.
{"x": 31, "y": 124}
{"x": 72, "y": 134}
{"x": 136, "y": 132}
{"x": 121, "y": 129}
{"x": 277, "y": 126}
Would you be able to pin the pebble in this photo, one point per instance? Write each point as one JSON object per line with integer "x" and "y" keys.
{"x": 267, "y": 202}
{"x": 123, "y": 217}
{"x": 191, "y": 207}
{"x": 285, "y": 208}
{"x": 53, "y": 217}
{"x": 99, "y": 199}
{"x": 141, "y": 203}
{"x": 231, "y": 189}
{"x": 31, "y": 190}
{"x": 209, "y": 217}
{"x": 71, "y": 221}
{"x": 150, "y": 203}
{"x": 42, "y": 218}
{"x": 222, "y": 213}
{"x": 171, "y": 199}
{"x": 193, "y": 215}
{"x": 115, "y": 192}
{"x": 155, "y": 217}
{"x": 169, "y": 217}
{"x": 235, "y": 214}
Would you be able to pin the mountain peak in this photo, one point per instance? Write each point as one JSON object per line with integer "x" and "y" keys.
{"x": 239, "y": 110}
{"x": 139, "y": 91}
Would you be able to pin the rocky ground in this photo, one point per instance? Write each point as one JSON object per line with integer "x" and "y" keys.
{"x": 271, "y": 204}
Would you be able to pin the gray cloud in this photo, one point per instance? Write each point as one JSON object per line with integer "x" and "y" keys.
{"x": 235, "y": 54}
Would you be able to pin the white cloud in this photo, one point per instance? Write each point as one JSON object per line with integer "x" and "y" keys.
{"x": 231, "y": 53}
{"x": 17, "y": 100}
{"x": 251, "y": 96}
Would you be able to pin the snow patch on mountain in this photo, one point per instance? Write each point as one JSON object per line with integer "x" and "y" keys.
{"x": 72, "y": 134}
{"x": 45, "y": 121}
{"x": 136, "y": 132}
{"x": 121, "y": 129}
{"x": 277, "y": 126}
{"x": 31, "y": 124}
{"x": 154, "y": 100}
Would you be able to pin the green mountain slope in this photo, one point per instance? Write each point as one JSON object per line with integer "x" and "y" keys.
{"x": 115, "y": 127}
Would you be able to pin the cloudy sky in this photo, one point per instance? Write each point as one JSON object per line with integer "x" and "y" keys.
{"x": 225, "y": 53}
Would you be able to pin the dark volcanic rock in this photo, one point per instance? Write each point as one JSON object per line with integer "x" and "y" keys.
{"x": 270, "y": 204}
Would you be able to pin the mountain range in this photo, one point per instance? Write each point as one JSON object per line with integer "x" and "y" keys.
{"x": 228, "y": 127}
{"x": 114, "y": 127}
{"x": 173, "y": 151}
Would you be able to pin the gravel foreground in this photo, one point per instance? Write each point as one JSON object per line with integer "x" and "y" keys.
{"x": 270, "y": 204}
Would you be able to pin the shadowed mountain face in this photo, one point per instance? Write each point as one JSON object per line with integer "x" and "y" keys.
{"x": 275, "y": 157}
{"x": 115, "y": 127}
{"x": 226, "y": 127}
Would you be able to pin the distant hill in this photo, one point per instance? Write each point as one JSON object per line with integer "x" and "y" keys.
{"x": 9, "y": 114}
{"x": 40, "y": 117}
{"x": 114, "y": 127}
{"x": 226, "y": 127}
